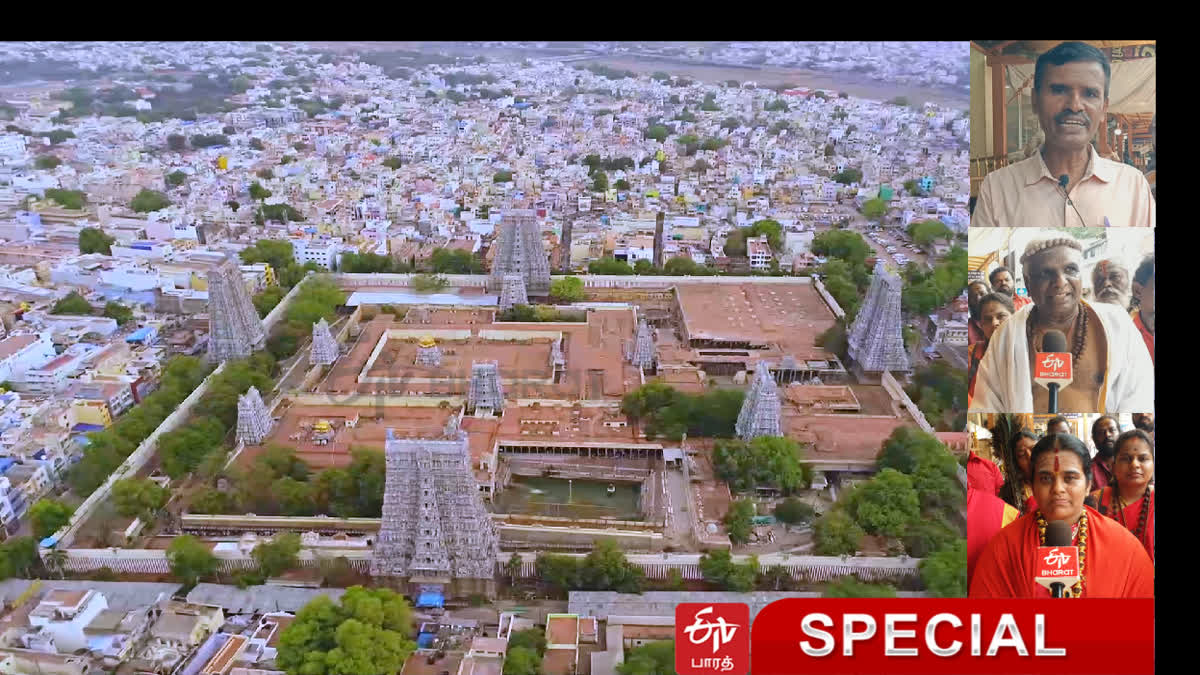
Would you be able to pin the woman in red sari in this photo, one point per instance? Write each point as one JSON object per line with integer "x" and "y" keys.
{"x": 1019, "y": 492}
{"x": 994, "y": 309}
{"x": 1131, "y": 501}
{"x": 1112, "y": 562}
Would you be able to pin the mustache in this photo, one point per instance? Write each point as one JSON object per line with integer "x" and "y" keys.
{"x": 1072, "y": 117}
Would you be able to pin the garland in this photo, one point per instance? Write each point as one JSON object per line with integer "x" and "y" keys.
{"x": 1075, "y": 591}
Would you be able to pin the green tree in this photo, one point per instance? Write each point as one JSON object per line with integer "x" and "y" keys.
{"x": 266, "y": 301}
{"x": 654, "y": 658}
{"x": 256, "y": 144}
{"x": 176, "y": 178}
{"x": 258, "y": 192}
{"x": 945, "y": 572}
{"x": 513, "y": 569}
{"x": 73, "y": 303}
{"x": 793, "y": 511}
{"x": 887, "y": 504}
{"x": 70, "y": 199}
{"x": 190, "y": 559}
{"x": 771, "y": 229}
{"x": 558, "y": 571}
{"x": 115, "y": 310}
{"x": 18, "y": 557}
{"x": 182, "y": 450}
{"x": 611, "y": 266}
{"x": 718, "y": 568}
{"x": 46, "y": 162}
{"x": 428, "y": 282}
{"x": 739, "y": 521}
{"x": 850, "y": 175}
{"x": 844, "y": 244}
{"x": 657, "y": 132}
{"x": 176, "y": 142}
{"x": 622, "y": 184}
{"x": 522, "y": 661}
{"x": 850, "y": 587}
{"x": 567, "y": 289}
{"x": 48, "y": 516}
{"x": 735, "y": 244}
{"x": 899, "y": 100}
{"x": 927, "y": 232}
{"x": 530, "y": 638}
{"x": 138, "y": 497}
{"x": 502, "y": 177}
{"x": 392, "y": 163}
{"x": 837, "y": 534}
{"x": 600, "y": 183}
{"x": 606, "y": 569}
{"x": 278, "y": 555}
{"x": 367, "y": 263}
{"x": 874, "y": 209}
{"x": 766, "y": 461}
{"x": 149, "y": 200}
{"x": 455, "y": 261}
{"x": 93, "y": 240}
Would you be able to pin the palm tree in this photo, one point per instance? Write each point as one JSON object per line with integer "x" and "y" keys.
{"x": 56, "y": 560}
{"x": 513, "y": 567}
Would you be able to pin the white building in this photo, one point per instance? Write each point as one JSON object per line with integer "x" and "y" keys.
{"x": 12, "y": 145}
{"x": 304, "y": 252}
{"x": 759, "y": 252}
{"x": 19, "y": 353}
{"x": 64, "y": 614}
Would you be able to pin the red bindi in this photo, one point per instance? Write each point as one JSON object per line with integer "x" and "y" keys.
{"x": 1056, "y": 461}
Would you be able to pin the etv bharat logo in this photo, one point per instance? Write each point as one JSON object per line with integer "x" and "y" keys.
{"x": 1056, "y": 558}
{"x": 1053, "y": 362}
{"x": 716, "y": 641}
{"x": 720, "y": 631}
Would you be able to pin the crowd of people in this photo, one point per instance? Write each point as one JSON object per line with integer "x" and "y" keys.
{"x": 1111, "y": 335}
{"x": 1106, "y": 496}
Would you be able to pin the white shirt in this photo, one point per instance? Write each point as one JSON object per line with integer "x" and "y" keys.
{"x": 1003, "y": 382}
{"x": 1024, "y": 194}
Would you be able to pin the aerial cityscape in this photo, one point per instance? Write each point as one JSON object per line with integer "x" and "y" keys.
{"x": 362, "y": 358}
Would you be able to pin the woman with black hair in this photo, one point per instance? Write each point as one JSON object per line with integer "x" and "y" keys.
{"x": 1112, "y": 562}
{"x": 994, "y": 309}
{"x": 1018, "y": 488}
{"x": 1131, "y": 500}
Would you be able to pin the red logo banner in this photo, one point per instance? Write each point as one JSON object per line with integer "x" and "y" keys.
{"x": 712, "y": 638}
{"x": 928, "y": 636}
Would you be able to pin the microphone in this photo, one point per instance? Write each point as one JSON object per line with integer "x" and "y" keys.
{"x": 1058, "y": 560}
{"x": 1062, "y": 184}
{"x": 1053, "y": 365}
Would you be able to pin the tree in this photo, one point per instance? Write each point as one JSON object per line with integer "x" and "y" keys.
{"x": 850, "y": 587}
{"x": 735, "y": 244}
{"x": 367, "y": 633}
{"x": 190, "y": 559}
{"x": 455, "y": 261}
{"x": 657, "y": 132}
{"x": 608, "y": 265}
{"x": 558, "y": 571}
{"x": 278, "y": 555}
{"x": 772, "y": 229}
{"x": 927, "y": 232}
{"x": 18, "y": 557}
{"x": 257, "y": 191}
{"x": 367, "y": 263}
{"x": 73, "y": 303}
{"x": 531, "y": 638}
{"x": 68, "y": 199}
{"x": 718, "y": 568}
{"x": 766, "y": 461}
{"x": 945, "y": 572}
{"x": 600, "y": 184}
{"x": 739, "y": 521}
{"x": 899, "y": 100}
{"x": 138, "y": 497}
{"x": 873, "y": 209}
{"x": 265, "y": 174}
{"x": 267, "y": 300}
{"x": 46, "y": 162}
{"x": 176, "y": 142}
{"x": 654, "y": 658}
{"x": 567, "y": 289}
{"x": 850, "y": 175}
{"x": 622, "y": 184}
{"x": 793, "y": 511}
{"x": 844, "y": 244}
{"x": 887, "y": 504}
{"x": 94, "y": 240}
{"x": 428, "y": 282}
{"x": 392, "y": 162}
{"x": 502, "y": 177}
{"x": 522, "y": 661}
{"x": 837, "y": 534}
{"x": 115, "y": 310}
{"x": 149, "y": 200}
{"x": 513, "y": 569}
{"x": 643, "y": 266}
{"x": 606, "y": 569}
{"x": 256, "y": 144}
{"x": 176, "y": 178}
{"x": 48, "y": 516}
{"x": 829, "y": 150}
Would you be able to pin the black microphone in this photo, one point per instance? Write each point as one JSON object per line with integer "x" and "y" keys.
{"x": 1062, "y": 184}
{"x": 1058, "y": 533}
{"x": 1057, "y": 376}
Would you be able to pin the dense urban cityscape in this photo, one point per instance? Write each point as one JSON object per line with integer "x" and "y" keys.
{"x": 471, "y": 358}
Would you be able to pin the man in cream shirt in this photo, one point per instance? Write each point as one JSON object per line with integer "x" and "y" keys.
{"x": 1070, "y": 96}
